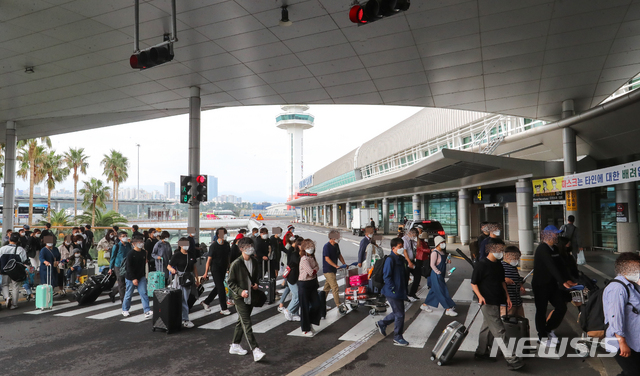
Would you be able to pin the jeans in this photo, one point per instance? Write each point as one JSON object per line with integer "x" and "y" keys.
{"x": 492, "y": 327}
{"x": 552, "y": 294}
{"x": 186, "y": 291}
{"x": 396, "y": 316}
{"x": 218, "y": 290}
{"x": 294, "y": 304}
{"x": 73, "y": 271}
{"x": 331, "y": 284}
{"x": 9, "y": 284}
{"x": 285, "y": 293}
{"x": 142, "y": 290}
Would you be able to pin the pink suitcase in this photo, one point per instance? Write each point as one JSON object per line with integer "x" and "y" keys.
{"x": 358, "y": 280}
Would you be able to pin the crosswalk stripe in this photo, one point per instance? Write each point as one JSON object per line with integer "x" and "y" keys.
{"x": 421, "y": 328}
{"x": 115, "y": 312}
{"x": 471, "y": 342}
{"x": 333, "y": 315}
{"x": 464, "y": 294}
{"x": 59, "y": 307}
{"x": 138, "y": 318}
{"x": 231, "y": 319}
{"x": 92, "y": 308}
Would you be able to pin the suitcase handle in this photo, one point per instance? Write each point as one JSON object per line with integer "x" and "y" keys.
{"x": 49, "y": 283}
{"x": 268, "y": 268}
{"x": 474, "y": 319}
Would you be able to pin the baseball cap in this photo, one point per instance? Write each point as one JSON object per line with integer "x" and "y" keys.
{"x": 26, "y": 227}
{"x": 552, "y": 228}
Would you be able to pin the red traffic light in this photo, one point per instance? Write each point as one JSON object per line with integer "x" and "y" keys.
{"x": 201, "y": 179}
{"x": 151, "y": 57}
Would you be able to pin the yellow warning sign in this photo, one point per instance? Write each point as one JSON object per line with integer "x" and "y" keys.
{"x": 572, "y": 200}
{"x": 253, "y": 215}
{"x": 260, "y": 217}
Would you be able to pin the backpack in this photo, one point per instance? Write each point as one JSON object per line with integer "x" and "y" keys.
{"x": 378, "y": 272}
{"x": 592, "y": 315}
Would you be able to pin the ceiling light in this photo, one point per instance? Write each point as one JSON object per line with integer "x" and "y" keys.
{"x": 284, "y": 20}
{"x": 28, "y": 70}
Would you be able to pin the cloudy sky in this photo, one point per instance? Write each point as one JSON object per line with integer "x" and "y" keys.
{"x": 241, "y": 146}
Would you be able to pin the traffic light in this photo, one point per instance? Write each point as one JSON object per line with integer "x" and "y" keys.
{"x": 185, "y": 189}
{"x": 151, "y": 57}
{"x": 201, "y": 188}
{"x": 374, "y": 10}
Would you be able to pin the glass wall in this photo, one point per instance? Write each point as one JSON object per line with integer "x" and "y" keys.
{"x": 444, "y": 209}
{"x": 603, "y": 215}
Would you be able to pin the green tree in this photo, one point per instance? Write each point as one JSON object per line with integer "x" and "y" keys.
{"x": 106, "y": 219}
{"x": 57, "y": 218}
{"x": 116, "y": 168}
{"x": 30, "y": 160}
{"x": 54, "y": 171}
{"x": 94, "y": 194}
{"x": 76, "y": 160}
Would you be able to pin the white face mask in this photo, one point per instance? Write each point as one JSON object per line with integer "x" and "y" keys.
{"x": 166, "y": 240}
{"x": 634, "y": 277}
{"x": 125, "y": 239}
{"x": 186, "y": 247}
{"x": 264, "y": 236}
{"x": 138, "y": 245}
{"x": 79, "y": 243}
{"x": 337, "y": 240}
{"x": 249, "y": 251}
{"x": 498, "y": 255}
{"x": 400, "y": 251}
{"x": 443, "y": 246}
{"x": 77, "y": 254}
{"x": 310, "y": 250}
{"x": 514, "y": 263}
{"x": 67, "y": 243}
{"x": 49, "y": 244}
{"x": 496, "y": 233}
{"x": 37, "y": 235}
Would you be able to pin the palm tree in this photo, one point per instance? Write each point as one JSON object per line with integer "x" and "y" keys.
{"x": 30, "y": 159}
{"x": 57, "y": 218}
{"x": 54, "y": 172}
{"x": 95, "y": 193}
{"x": 116, "y": 170}
{"x": 106, "y": 219}
{"x": 76, "y": 160}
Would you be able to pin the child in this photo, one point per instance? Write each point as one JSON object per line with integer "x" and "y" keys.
{"x": 30, "y": 282}
{"x": 76, "y": 263}
{"x": 514, "y": 282}
{"x": 489, "y": 286}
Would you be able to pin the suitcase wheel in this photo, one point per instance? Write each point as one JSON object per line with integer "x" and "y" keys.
{"x": 372, "y": 312}
{"x": 439, "y": 363}
{"x": 433, "y": 358}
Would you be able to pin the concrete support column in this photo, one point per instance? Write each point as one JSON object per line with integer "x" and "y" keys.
{"x": 524, "y": 199}
{"x": 194, "y": 156}
{"x": 325, "y": 217}
{"x": 385, "y": 216}
{"x": 423, "y": 206}
{"x": 319, "y": 219}
{"x": 415, "y": 200}
{"x": 627, "y": 232}
{"x": 334, "y": 211}
{"x": 395, "y": 203}
{"x": 464, "y": 230}
{"x": 348, "y": 209}
{"x": 9, "y": 184}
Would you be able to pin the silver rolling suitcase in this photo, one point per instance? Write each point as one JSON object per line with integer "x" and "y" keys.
{"x": 450, "y": 341}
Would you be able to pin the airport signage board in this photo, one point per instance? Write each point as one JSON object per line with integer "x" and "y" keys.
{"x": 624, "y": 173}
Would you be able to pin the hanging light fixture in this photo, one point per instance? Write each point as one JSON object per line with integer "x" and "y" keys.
{"x": 284, "y": 19}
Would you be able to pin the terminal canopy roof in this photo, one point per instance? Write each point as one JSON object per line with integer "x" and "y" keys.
{"x": 514, "y": 57}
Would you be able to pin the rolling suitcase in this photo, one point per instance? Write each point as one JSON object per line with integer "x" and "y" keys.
{"x": 44, "y": 293}
{"x": 450, "y": 341}
{"x": 155, "y": 282}
{"x": 515, "y": 326}
{"x": 110, "y": 281}
{"x": 323, "y": 304}
{"x": 268, "y": 284}
{"x": 167, "y": 310}
{"x": 90, "y": 290}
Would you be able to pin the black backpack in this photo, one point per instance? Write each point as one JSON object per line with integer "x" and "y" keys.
{"x": 592, "y": 314}
{"x": 378, "y": 273}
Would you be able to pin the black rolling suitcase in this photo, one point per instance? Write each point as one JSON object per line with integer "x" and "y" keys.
{"x": 268, "y": 284}
{"x": 109, "y": 281}
{"x": 323, "y": 304}
{"x": 515, "y": 326}
{"x": 167, "y": 310}
{"x": 450, "y": 341}
{"x": 90, "y": 290}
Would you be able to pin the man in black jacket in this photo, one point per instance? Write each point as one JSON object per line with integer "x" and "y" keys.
{"x": 218, "y": 263}
{"x": 546, "y": 283}
{"x": 135, "y": 278}
{"x": 276, "y": 249}
{"x": 263, "y": 250}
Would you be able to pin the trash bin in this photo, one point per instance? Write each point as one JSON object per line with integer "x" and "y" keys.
{"x": 451, "y": 239}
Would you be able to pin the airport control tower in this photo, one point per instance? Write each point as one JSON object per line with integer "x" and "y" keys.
{"x": 295, "y": 121}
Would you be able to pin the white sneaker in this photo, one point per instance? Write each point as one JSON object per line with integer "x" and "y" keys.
{"x": 126, "y": 313}
{"x": 225, "y": 312}
{"x": 281, "y": 309}
{"x": 310, "y": 333}
{"x": 148, "y": 314}
{"x": 426, "y": 308}
{"x": 412, "y": 299}
{"x": 206, "y": 307}
{"x": 187, "y": 324}
{"x": 451, "y": 312}
{"x": 288, "y": 315}
{"x": 258, "y": 355}
{"x": 295, "y": 318}
{"x": 328, "y": 308}
{"x": 236, "y": 349}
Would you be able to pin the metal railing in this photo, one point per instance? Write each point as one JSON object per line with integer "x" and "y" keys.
{"x": 483, "y": 136}
{"x": 632, "y": 85}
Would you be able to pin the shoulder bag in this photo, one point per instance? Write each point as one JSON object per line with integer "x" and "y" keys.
{"x": 15, "y": 269}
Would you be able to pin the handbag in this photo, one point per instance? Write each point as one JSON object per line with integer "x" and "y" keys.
{"x": 287, "y": 270}
{"x": 186, "y": 279}
{"x": 258, "y": 297}
{"x": 580, "y": 259}
{"x": 15, "y": 269}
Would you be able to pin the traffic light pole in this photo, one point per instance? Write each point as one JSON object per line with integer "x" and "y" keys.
{"x": 194, "y": 156}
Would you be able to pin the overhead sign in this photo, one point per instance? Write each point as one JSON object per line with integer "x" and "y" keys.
{"x": 306, "y": 194}
{"x": 603, "y": 177}
{"x": 306, "y": 182}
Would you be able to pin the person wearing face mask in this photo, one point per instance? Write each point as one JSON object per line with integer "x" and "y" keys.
{"x": 118, "y": 254}
{"x": 162, "y": 253}
{"x": 50, "y": 257}
{"x": 149, "y": 243}
{"x": 488, "y": 283}
{"x": 263, "y": 249}
{"x": 494, "y": 232}
{"x": 546, "y": 283}
{"x": 288, "y": 235}
{"x": 235, "y": 251}
{"x": 75, "y": 265}
{"x": 291, "y": 313}
{"x": 135, "y": 277}
{"x": 254, "y": 234}
{"x": 183, "y": 263}
{"x": 410, "y": 244}
{"x": 106, "y": 244}
{"x": 362, "y": 250}
{"x": 439, "y": 293}
{"x": 621, "y": 303}
{"x": 218, "y": 263}
{"x": 514, "y": 282}
{"x": 395, "y": 290}
{"x": 330, "y": 256}
{"x": 374, "y": 252}
{"x": 47, "y": 232}
{"x": 244, "y": 273}
{"x": 23, "y": 239}
{"x": 33, "y": 248}
{"x": 10, "y": 288}
{"x": 310, "y": 304}
{"x": 277, "y": 248}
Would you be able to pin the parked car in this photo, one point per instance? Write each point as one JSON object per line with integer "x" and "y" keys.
{"x": 431, "y": 227}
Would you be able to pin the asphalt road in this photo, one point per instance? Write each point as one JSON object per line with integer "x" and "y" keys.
{"x": 34, "y": 344}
